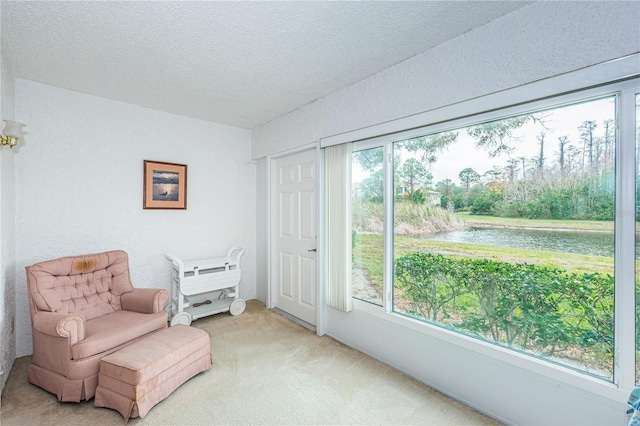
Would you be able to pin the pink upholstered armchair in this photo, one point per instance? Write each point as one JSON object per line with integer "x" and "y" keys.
{"x": 83, "y": 308}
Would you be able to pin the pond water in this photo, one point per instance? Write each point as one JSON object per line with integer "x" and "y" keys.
{"x": 594, "y": 243}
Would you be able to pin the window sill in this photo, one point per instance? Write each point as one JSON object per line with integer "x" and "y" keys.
{"x": 529, "y": 365}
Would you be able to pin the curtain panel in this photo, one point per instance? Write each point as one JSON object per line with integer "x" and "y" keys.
{"x": 337, "y": 174}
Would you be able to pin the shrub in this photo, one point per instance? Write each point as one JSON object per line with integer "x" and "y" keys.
{"x": 485, "y": 203}
{"x": 536, "y": 308}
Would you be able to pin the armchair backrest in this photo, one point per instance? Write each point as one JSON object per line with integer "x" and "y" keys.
{"x": 88, "y": 286}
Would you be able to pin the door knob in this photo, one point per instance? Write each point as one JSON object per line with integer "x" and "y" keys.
{"x": 312, "y": 250}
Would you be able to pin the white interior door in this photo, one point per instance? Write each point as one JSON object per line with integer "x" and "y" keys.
{"x": 295, "y": 239}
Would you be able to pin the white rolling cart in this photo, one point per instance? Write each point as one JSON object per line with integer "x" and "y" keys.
{"x": 204, "y": 287}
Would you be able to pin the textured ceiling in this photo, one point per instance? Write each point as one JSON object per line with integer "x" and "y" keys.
{"x": 238, "y": 63}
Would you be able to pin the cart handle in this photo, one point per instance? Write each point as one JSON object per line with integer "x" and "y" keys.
{"x": 238, "y": 255}
{"x": 177, "y": 262}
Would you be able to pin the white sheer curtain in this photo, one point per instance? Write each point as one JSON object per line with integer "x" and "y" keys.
{"x": 337, "y": 160}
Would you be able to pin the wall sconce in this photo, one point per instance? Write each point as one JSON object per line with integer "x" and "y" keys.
{"x": 12, "y": 133}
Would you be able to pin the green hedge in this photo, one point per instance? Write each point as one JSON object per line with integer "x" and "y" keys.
{"x": 543, "y": 310}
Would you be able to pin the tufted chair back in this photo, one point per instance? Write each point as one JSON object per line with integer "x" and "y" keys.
{"x": 88, "y": 286}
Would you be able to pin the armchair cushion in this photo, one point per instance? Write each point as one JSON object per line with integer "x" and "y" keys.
{"x": 114, "y": 329}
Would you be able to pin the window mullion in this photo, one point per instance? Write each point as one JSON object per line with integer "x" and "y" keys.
{"x": 388, "y": 227}
{"x": 624, "y": 372}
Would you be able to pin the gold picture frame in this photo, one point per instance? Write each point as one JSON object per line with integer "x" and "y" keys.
{"x": 164, "y": 186}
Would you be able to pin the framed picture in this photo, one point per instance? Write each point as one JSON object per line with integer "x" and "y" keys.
{"x": 165, "y": 185}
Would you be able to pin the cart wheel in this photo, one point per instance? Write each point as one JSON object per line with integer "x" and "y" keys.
{"x": 182, "y": 318}
{"x": 237, "y": 307}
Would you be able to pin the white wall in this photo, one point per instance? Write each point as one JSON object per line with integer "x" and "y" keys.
{"x": 79, "y": 186}
{"x": 535, "y": 42}
{"x": 542, "y": 40}
{"x": 7, "y": 229}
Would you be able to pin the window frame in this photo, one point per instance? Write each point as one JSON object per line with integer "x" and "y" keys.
{"x": 625, "y": 90}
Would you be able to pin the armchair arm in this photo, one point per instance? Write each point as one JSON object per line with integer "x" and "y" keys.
{"x": 145, "y": 300}
{"x": 60, "y": 325}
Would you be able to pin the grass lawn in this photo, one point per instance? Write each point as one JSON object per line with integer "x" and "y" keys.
{"x": 368, "y": 255}
{"x": 368, "y": 248}
{"x": 571, "y": 262}
{"x": 576, "y": 225}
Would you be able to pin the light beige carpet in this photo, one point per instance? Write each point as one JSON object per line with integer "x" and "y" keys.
{"x": 266, "y": 370}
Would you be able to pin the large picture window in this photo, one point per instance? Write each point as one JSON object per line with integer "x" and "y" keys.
{"x": 514, "y": 244}
{"x": 504, "y": 228}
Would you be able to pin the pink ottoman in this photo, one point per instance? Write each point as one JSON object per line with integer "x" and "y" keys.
{"x": 137, "y": 377}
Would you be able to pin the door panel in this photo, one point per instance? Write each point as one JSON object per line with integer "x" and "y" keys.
{"x": 287, "y": 278}
{"x": 307, "y": 268}
{"x": 287, "y": 208}
{"x": 308, "y": 220}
